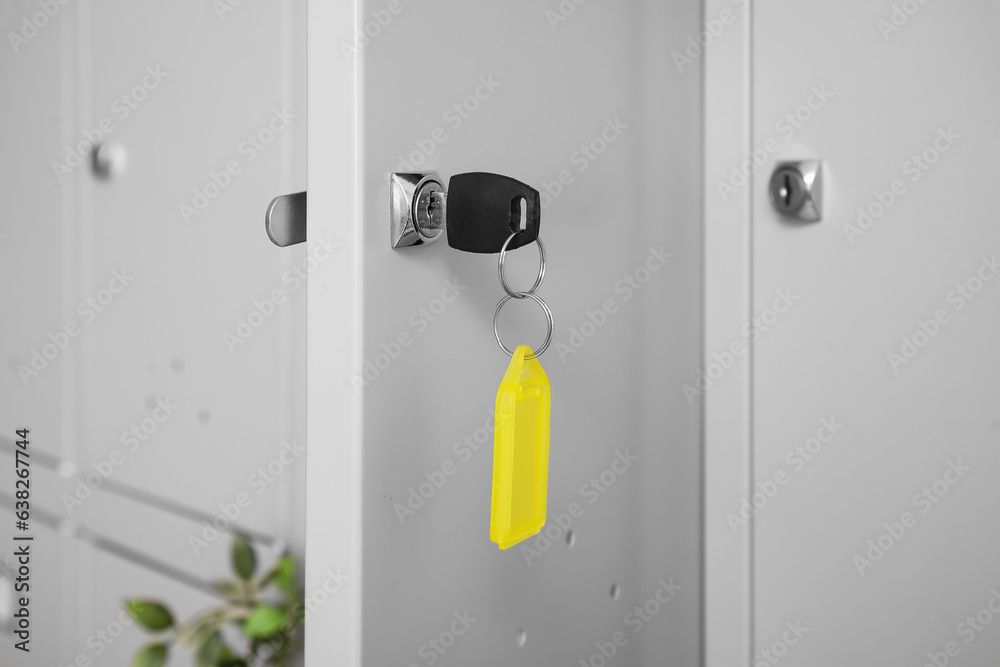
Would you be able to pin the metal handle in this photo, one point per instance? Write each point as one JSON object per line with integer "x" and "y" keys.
{"x": 285, "y": 220}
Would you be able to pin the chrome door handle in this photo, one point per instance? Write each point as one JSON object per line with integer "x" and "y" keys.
{"x": 285, "y": 220}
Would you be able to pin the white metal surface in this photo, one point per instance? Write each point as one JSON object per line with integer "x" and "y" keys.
{"x": 884, "y": 85}
{"x": 217, "y": 82}
{"x": 453, "y": 87}
{"x": 333, "y": 346}
{"x": 727, "y": 399}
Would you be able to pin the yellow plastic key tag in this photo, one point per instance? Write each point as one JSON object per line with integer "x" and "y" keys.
{"x": 520, "y": 451}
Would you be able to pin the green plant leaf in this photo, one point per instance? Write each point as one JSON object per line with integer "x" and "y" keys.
{"x": 152, "y": 655}
{"x": 264, "y": 621}
{"x": 244, "y": 560}
{"x": 227, "y": 588}
{"x": 283, "y": 576}
{"x": 269, "y": 578}
{"x": 151, "y": 615}
{"x": 210, "y": 652}
{"x": 232, "y": 591}
{"x": 286, "y": 577}
{"x": 202, "y": 630}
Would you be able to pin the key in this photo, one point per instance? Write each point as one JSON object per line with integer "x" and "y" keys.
{"x": 485, "y": 209}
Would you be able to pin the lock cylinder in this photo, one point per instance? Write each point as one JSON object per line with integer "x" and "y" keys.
{"x": 796, "y": 190}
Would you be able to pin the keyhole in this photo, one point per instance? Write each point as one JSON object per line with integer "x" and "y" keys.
{"x": 786, "y": 192}
{"x": 795, "y": 191}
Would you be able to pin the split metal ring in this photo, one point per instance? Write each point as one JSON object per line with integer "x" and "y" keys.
{"x": 541, "y": 269}
{"x": 548, "y": 317}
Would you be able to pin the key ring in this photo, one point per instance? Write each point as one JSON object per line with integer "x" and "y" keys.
{"x": 541, "y": 268}
{"x": 548, "y": 317}
{"x": 530, "y": 294}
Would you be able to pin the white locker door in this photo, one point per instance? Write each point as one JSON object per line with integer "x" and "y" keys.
{"x": 876, "y": 424}
{"x": 160, "y": 267}
{"x": 584, "y": 103}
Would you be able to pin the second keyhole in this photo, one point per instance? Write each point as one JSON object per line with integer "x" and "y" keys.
{"x": 788, "y": 191}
